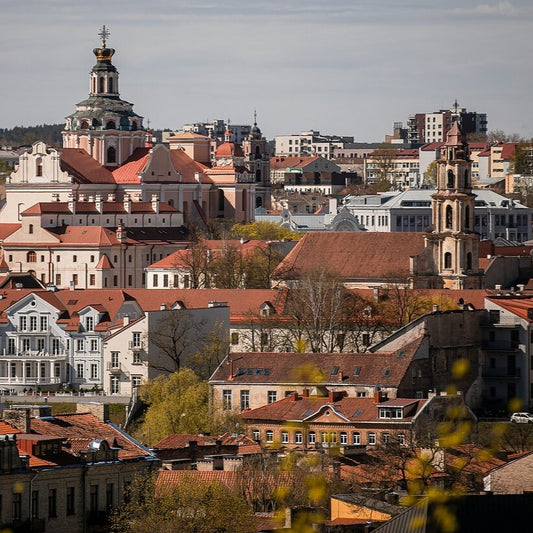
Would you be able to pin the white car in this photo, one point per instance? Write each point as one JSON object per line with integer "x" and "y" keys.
{"x": 522, "y": 418}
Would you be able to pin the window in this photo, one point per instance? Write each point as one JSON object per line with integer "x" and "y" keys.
{"x": 109, "y": 491}
{"x": 154, "y": 280}
{"x": 74, "y": 258}
{"x": 136, "y": 358}
{"x": 298, "y": 437}
{"x": 94, "y": 370}
{"x": 114, "y": 359}
{"x": 16, "y": 510}
{"x": 264, "y": 338}
{"x": 70, "y": 501}
{"x": 58, "y": 259}
{"x": 114, "y": 385}
{"x": 447, "y": 260}
{"x": 284, "y": 437}
{"x": 311, "y": 438}
{"x": 165, "y": 280}
{"x": 227, "y": 399}
{"x": 494, "y": 315}
{"x": 33, "y": 323}
{"x": 269, "y": 435}
{"x": 94, "y": 345}
{"x": 272, "y": 396}
{"x": 79, "y": 368}
{"x": 79, "y": 345}
{"x": 23, "y": 323}
{"x": 115, "y": 281}
{"x": 89, "y": 323}
{"x": 35, "y": 504}
{"x": 372, "y": 439}
{"x": 136, "y": 339}
{"x": 136, "y": 381}
{"x": 245, "y": 400}
{"x": 401, "y": 439}
{"x": 52, "y": 503}
{"x": 11, "y": 346}
{"x": 255, "y": 434}
{"x": 92, "y": 279}
{"x": 356, "y": 437}
{"x": 58, "y": 279}
{"x": 93, "y": 498}
{"x": 31, "y": 257}
{"x": 55, "y": 346}
{"x": 385, "y": 438}
{"x": 343, "y": 437}
{"x": 234, "y": 338}
{"x": 44, "y": 323}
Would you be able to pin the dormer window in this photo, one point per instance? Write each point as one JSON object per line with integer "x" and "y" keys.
{"x": 390, "y": 412}
{"x": 89, "y": 323}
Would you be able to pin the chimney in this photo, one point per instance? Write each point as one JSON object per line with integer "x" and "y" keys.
{"x": 340, "y": 375}
{"x": 435, "y": 308}
{"x": 125, "y": 320}
{"x": 155, "y": 203}
{"x": 98, "y": 204}
{"x": 305, "y": 393}
{"x": 163, "y": 307}
{"x": 378, "y": 396}
{"x": 100, "y": 410}
{"x": 294, "y": 396}
{"x": 230, "y": 363}
{"x": 19, "y": 417}
{"x": 127, "y": 203}
{"x": 121, "y": 234}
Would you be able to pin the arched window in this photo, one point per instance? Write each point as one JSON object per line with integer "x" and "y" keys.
{"x": 469, "y": 261}
{"x": 110, "y": 125}
{"x": 258, "y": 174}
{"x": 220, "y": 200}
{"x": 467, "y": 179}
{"x": 449, "y": 215}
{"x": 31, "y": 257}
{"x": 38, "y": 167}
{"x": 84, "y": 125}
{"x": 257, "y": 152}
{"x": 451, "y": 179}
{"x": 101, "y": 84}
{"x": 258, "y": 201}
{"x": 447, "y": 260}
{"x": 111, "y": 155}
{"x": 467, "y": 217}
{"x": 134, "y": 126}
{"x": 110, "y": 85}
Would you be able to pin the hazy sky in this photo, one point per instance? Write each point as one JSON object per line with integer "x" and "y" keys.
{"x": 348, "y": 67}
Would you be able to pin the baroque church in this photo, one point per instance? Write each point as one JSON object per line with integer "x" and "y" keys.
{"x": 110, "y": 188}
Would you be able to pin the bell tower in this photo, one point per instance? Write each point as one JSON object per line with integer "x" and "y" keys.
{"x": 104, "y": 124}
{"x": 454, "y": 245}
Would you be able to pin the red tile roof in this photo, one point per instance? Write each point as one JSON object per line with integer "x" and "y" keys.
{"x": 83, "y": 167}
{"x": 353, "y": 255}
{"x": 508, "y": 150}
{"x": 301, "y": 409}
{"x": 518, "y": 305}
{"x": 282, "y": 162}
{"x": 87, "y": 208}
{"x": 313, "y": 369}
{"x": 7, "y": 229}
{"x": 87, "y": 427}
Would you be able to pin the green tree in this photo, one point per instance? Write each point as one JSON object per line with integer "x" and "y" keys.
{"x": 522, "y": 159}
{"x": 184, "y": 505}
{"x": 265, "y": 231}
{"x": 430, "y": 175}
{"x": 177, "y": 403}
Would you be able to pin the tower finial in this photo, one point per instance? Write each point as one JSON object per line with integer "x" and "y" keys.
{"x": 103, "y": 34}
{"x": 255, "y": 117}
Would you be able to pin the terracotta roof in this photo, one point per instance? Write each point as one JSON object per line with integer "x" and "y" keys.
{"x": 188, "y": 167}
{"x": 83, "y": 167}
{"x": 225, "y": 477}
{"x": 312, "y": 369}
{"x": 8, "y": 429}
{"x": 301, "y": 409}
{"x": 181, "y": 258}
{"x": 7, "y": 229}
{"x": 88, "y": 208}
{"x": 104, "y": 263}
{"x": 229, "y": 149}
{"x": 353, "y": 255}
{"x": 182, "y": 440}
{"x": 517, "y": 305}
{"x": 87, "y": 426}
{"x": 281, "y": 162}
{"x": 127, "y": 172}
{"x": 508, "y": 150}
{"x": 88, "y": 236}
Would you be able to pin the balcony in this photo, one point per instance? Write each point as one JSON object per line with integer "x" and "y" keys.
{"x": 32, "y": 355}
{"x": 135, "y": 346}
{"x": 30, "y": 380}
{"x": 114, "y": 368}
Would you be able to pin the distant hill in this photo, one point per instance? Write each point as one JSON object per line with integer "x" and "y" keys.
{"x": 48, "y": 133}
{"x": 25, "y": 136}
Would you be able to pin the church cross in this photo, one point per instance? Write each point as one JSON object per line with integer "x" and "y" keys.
{"x": 103, "y": 34}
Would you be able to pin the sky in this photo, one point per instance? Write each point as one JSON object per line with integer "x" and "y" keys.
{"x": 345, "y": 67}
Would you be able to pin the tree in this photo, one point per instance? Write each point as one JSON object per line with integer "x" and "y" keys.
{"x": 177, "y": 403}
{"x": 195, "y": 260}
{"x": 260, "y": 265}
{"x": 214, "y": 350}
{"x": 499, "y": 136}
{"x": 383, "y": 159}
{"x": 174, "y": 335}
{"x": 430, "y": 175}
{"x": 183, "y": 505}
{"x": 265, "y": 231}
{"x": 522, "y": 159}
{"x": 227, "y": 268}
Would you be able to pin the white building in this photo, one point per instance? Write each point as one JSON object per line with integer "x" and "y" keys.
{"x": 309, "y": 143}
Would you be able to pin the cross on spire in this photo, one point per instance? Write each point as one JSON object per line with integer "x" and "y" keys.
{"x": 103, "y": 34}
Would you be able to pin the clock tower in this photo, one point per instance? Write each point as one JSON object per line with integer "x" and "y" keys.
{"x": 454, "y": 245}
